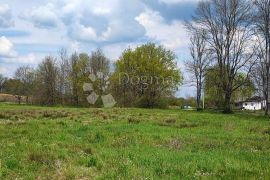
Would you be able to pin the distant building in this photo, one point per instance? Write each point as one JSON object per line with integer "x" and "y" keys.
{"x": 254, "y": 103}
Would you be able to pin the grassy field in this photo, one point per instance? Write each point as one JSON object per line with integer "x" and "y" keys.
{"x": 71, "y": 143}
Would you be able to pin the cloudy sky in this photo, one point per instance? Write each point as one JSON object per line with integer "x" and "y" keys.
{"x": 30, "y": 30}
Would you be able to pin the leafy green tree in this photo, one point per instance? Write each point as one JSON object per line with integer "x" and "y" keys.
{"x": 14, "y": 87}
{"x": 145, "y": 76}
{"x": 78, "y": 76}
{"x": 215, "y": 96}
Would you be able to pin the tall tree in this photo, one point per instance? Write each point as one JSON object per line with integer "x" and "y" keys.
{"x": 99, "y": 62}
{"x": 2, "y": 82}
{"x": 26, "y": 75}
{"x": 227, "y": 26}
{"x": 64, "y": 85}
{"x": 197, "y": 67}
{"x": 47, "y": 81}
{"x": 149, "y": 73}
{"x": 79, "y": 75}
{"x": 213, "y": 89}
{"x": 262, "y": 22}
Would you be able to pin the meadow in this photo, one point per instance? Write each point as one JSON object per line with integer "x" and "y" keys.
{"x": 87, "y": 143}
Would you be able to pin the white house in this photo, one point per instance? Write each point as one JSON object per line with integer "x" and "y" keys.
{"x": 254, "y": 103}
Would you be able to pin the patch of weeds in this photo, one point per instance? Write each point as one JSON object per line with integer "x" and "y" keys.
{"x": 255, "y": 129}
{"x": 133, "y": 120}
{"x": 124, "y": 141}
{"x": 230, "y": 126}
{"x": 161, "y": 171}
{"x": 99, "y": 137}
{"x": 266, "y": 131}
{"x": 188, "y": 125}
{"x": 12, "y": 164}
{"x": 46, "y": 114}
{"x": 100, "y": 114}
{"x": 260, "y": 130}
{"x": 92, "y": 162}
{"x": 88, "y": 151}
{"x": 62, "y": 123}
{"x": 41, "y": 158}
{"x": 4, "y": 116}
{"x": 54, "y": 114}
{"x": 175, "y": 144}
{"x": 170, "y": 121}
{"x": 122, "y": 170}
{"x": 15, "y": 118}
{"x": 210, "y": 145}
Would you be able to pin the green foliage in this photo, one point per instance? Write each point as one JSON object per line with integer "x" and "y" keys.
{"x": 145, "y": 75}
{"x": 78, "y": 76}
{"x": 214, "y": 94}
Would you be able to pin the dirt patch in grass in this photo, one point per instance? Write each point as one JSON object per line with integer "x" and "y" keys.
{"x": 260, "y": 130}
{"x": 133, "y": 120}
{"x": 100, "y": 114}
{"x": 172, "y": 123}
{"x": 55, "y": 114}
{"x": 19, "y": 115}
{"x": 175, "y": 144}
{"x": 88, "y": 151}
{"x": 42, "y": 158}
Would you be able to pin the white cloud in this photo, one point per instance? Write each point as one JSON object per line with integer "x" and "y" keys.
{"x": 9, "y": 55}
{"x": 114, "y": 51}
{"x": 75, "y": 47}
{"x": 172, "y": 36}
{"x": 106, "y": 21}
{"x": 177, "y": 1}
{"x": 6, "y": 48}
{"x": 83, "y": 33}
{"x": 5, "y": 16}
{"x": 43, "y": 16}
{"x": 27, "y": 59}
{"x": 3, "y": 70}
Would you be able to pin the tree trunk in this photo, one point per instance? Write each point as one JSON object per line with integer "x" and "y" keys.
{"x": 227, "y": 103}
{"x": 268, "y": 82}
{"x": 199, "y": 107}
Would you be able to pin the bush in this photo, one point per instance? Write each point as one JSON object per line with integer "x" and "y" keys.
{"x": 145, "y": 102}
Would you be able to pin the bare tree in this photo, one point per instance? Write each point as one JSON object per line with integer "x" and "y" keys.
{"x": 2, "y": 82}
{"x": 47, "y": 79}
{"x": 99, "y": 62}
{"x": 64, "y": 85}
{"x": 26, "y": 75}
{"x": 227, "y": 26}
{"x": 199, "y": 63}
{"x": 262, "y": 22}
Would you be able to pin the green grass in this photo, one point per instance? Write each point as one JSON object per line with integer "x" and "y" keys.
{"x": 73, "y": 143}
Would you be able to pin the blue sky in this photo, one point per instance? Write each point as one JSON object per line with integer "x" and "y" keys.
{"x": 30, "y": 30}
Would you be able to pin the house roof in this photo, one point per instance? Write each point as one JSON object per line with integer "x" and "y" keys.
{"x": 254, "y": 99}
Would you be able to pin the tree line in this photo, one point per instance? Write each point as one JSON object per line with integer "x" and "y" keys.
{"x": 144, "y": 77}
{"x": 230, "y": 49}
